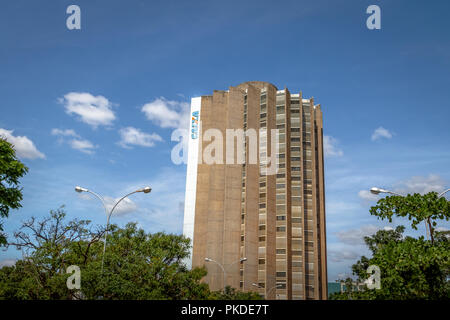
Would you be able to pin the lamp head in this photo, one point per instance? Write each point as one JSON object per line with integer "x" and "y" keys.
{"x": 80, "y": 189}
{"x": 147, "y": 190}
{"x": 376, "y": 190}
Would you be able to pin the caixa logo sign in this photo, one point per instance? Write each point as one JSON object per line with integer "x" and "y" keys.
{"x": 194, "y": 126}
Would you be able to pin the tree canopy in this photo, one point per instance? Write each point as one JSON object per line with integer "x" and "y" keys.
{"x": 11, "y": 169}
{"x": 410, "y": 268}
{"x": 416, "y": 207}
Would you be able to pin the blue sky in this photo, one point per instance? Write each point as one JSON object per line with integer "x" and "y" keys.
{"x": 384, "y": 94}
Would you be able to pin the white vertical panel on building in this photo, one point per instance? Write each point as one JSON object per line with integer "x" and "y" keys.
{"x": 191, "y": 175}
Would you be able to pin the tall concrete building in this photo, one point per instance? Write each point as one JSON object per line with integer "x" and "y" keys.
{"x": 256, "y": 229}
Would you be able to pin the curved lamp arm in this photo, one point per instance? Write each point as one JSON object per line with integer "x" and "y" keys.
{"x": 221, "y": 266}
{"x": 442, "y": 193}
{"x": 115, "y": 205}
{"x": 80, "y": 189}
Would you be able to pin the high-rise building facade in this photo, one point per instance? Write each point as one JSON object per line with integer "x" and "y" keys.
{"x": 254, "y": 228}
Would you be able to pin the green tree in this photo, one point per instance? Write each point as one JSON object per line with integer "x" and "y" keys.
{"x": 410, "y": 268}
{"x": 11, "y": 169}
{"x": 416, "y": 207}
{"x": 138, "y": 265}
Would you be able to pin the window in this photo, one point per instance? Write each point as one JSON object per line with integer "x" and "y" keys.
{"x": 281, "y": 229}
{"x": 281, "y": 274}
{"x": 280, "y": 218}
{"x": 262, "y": 227}
{"x": 263, "y": 98}
{"x": 281, "y": 251}
{"x": 261, "y": 261}
{"x": 262, "y": 205}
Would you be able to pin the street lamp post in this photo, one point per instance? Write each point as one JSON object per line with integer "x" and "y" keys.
{"x": 223, "y": 269}
{"x": 270, "y": 290}
{"x": 81, "y": 189}
{"x": 377, "y": 191}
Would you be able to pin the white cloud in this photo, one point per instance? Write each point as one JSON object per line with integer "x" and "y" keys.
{"x": 77, "y": 143}
{"x": 419, "y": 184}
{"x": 124, "y": 207}
{"x": 93, "y": 110}
{"x": 65, "y": 133}
{"x": 356, "y": 236}
{"x": 167, "y": 114}
{"x": 83, "y": 145}
{"x": 340, "y": 255}
{"x": 330, "y": 147}
{"x": 367, "y": 195}
{"x": 7, "y": 263}
{"x": 381, "y": 133}
{"x": 133, "y": 136}
{"x": 24, "y": 147}
{"x": 443, "y": 229}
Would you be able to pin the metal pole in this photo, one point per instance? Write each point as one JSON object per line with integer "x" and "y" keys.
{"x": 107, "y": 223}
